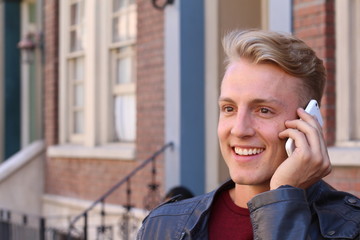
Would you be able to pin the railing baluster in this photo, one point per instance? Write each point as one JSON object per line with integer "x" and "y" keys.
{"x": 8, "y": 216}
{"x": 9, "y": 225}
{"x": 85, "y": 225}
{"x": 21, "y": 231}
{"x": 129, "y": 206}
{"x": 42, "y": 228}
{"x": 128, "y": 195}
{"x": 103, "y": 213}
{"x": 24, "y": 220}
{"x": 153, "y": 196}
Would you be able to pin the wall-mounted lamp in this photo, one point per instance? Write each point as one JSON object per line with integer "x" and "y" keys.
{"x": 27, "y": 46}
{"x": 161, "y": 6}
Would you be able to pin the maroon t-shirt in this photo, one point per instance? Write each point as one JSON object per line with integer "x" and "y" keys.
{"x": 229, "y": 221}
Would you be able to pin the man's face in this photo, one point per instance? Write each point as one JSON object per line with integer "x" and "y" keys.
{"x": 255, "y": 101}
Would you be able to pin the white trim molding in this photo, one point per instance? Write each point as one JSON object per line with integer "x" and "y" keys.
{"x": 345, "y": 156}
{"x": 121, "y": 151}
{"x": 212, "y": 39}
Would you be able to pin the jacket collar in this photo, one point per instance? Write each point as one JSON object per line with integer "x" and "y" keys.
{"x": 338, "y": 212}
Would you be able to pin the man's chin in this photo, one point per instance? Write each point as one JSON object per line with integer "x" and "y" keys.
{"x": 250, "y": 181}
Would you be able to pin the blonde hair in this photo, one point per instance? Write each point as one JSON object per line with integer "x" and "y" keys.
{"x": 286, "y": 51}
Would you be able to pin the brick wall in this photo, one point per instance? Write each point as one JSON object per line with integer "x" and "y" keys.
{"x": 51, "y": 36}
{"x": 90, "y": 178}
{"x": 150, "y": 82}
{"x": 314, "y": 22}
{"x": 345, "y": 179}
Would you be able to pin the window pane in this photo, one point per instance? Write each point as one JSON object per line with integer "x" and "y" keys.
{"x": 125, "y": 117}
{"x": 74, "y": 14}
{"x": 76, "y": 23}
{"x": 132, "y": 25}
{"x": 122, "y": 28}
{"x": 78, "y": 69}
{"x": 76, "y": 40}
{"x": 116, "y": 33}
{"x": 79, "y": 95}
{"x": 118, "y": 4}
{"x": 124, "y": 21}
{"x": 124, "y": 70}
{"x": 78, "y": 122}
{"x": 73, "y": 40}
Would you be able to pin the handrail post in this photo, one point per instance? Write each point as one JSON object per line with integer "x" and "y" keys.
{"x": 128, "y": 208}
{"x": 85, "y": 225}
{"x": 42, "y": 228}
{"x": 8, "y": 229}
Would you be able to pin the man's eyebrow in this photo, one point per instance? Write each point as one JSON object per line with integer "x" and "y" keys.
{"x": 225, "y": 99}
{"x": 254, "y": 101}
{"x": 264, "y": 100}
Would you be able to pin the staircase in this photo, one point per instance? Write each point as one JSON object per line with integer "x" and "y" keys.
{"x": 98, "y": 221}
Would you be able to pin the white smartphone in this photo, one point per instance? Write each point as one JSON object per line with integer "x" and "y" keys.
{"x": 313, "y": 109}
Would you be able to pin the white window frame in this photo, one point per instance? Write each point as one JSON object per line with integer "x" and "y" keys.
{"x": 114, "y": 46}
{"x": 121, "y": 89}
{"x": 348, "y": 73}
{"x": 347, "y": 147}
{"x": 97, "y": 140}
{"x": 66, "y": 121}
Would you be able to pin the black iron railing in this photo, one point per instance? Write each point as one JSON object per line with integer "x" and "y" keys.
{"x": 98, "y": 222}
{"x": 17, "y": 226}
{"x": 10, "y": 228}
{"x": 128, "y": 222}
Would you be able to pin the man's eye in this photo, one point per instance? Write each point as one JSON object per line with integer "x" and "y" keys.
{"x": 228, "y": 109}
{"x": 264, "y": 110}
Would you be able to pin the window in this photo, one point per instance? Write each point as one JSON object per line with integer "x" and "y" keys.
{"x": 76, "y": 98}
{"x": 123, "y": 69}
{"x": 75, "y": 72}
{"x": 348, "y": 73}
{"x": 97, "y": 79}
{"x": 347, "y": 148}
{"x": 124, "y": 94}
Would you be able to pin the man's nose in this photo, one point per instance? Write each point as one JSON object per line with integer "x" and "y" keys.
{"x": 243, "y": 126}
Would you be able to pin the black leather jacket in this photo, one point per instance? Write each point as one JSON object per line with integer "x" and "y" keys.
{"x": 318, "y": 213}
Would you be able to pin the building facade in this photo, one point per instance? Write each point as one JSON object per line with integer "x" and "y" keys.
{"x": 108, "y": 83}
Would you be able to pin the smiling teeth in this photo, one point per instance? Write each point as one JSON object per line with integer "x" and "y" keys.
{"x": 247, "y": 151}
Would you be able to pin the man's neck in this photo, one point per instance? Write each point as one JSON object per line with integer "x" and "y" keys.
{"x": 242, "y": 194}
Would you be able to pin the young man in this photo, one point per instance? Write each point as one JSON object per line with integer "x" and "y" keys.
{"x": 269, "y": 80}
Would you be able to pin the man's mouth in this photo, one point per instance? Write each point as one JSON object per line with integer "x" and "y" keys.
{"x": 248, "y": 151}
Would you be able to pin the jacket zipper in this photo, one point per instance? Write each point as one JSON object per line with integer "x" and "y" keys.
{"x": 183, "y": 234}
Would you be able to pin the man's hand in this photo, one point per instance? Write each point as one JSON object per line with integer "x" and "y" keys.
{"x": 310, "y": 160}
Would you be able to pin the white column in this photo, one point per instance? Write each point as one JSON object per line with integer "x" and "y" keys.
{"x": 172, "y": 93}
{"x": 212, "y": 38}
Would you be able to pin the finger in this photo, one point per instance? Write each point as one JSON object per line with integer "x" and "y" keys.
{"x": 315, "y": 149}
{"x": 312, "y": 120}
{"x": 299, "y": 138}
{"x": 311, "y": 131}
